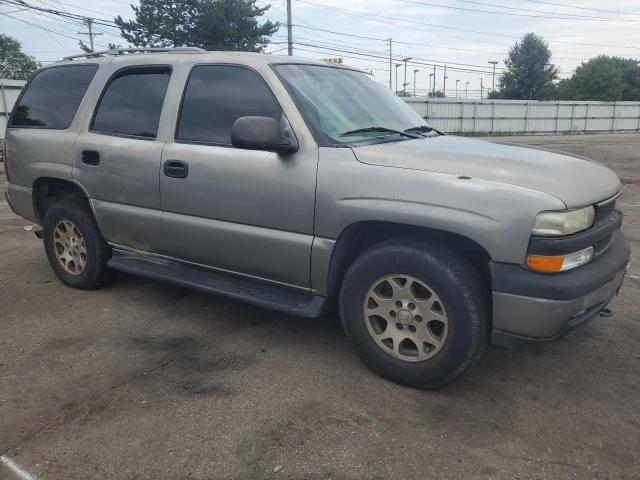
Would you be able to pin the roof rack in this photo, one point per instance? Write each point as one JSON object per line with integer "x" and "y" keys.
{"x": 122, "y": 51}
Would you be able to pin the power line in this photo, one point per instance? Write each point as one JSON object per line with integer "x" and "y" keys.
{"x": 389, "y": 20}
{"x": 58, "y": 13}
{"x": 414, "y": 61}
{"x": 581, "y": 8}
{"x": 495, "y": 12}
{"x": 40, "y": 26}
{"x": 342, "y": 33}
{"x": 571, "y": 15}
{"x": 432, "y": 25}
{"x": 399, "y": 56}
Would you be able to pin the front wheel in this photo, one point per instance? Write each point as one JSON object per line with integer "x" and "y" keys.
{"x": 415, "y": 312}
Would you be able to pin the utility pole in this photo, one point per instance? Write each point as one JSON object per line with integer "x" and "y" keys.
{"x": 444, "y": 85}
{"x": 466, "y": 91}
{"x": 481, "y": 89}
{"x": 397, "y": 65}
{"x": 404, "y": 84}
{"x": 89, "y": 23}
{"x": 430, "y": 90}
{"x": 457, "y": 82}
{"x": 289, "y": 30}
{"x": 390, "y": 63}
{"x": 414, "y": 81}
{"x": 493, "y": 80}
{"x": 434, "y": 82}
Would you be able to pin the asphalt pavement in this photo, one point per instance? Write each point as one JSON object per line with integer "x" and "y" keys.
{"x": 146, "y": 380}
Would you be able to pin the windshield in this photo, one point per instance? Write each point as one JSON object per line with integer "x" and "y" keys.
{"x": 346, "y": 106}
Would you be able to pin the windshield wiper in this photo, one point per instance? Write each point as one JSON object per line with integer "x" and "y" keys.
{"x": 422, "y": 129}
{"x": 379, "y": 129}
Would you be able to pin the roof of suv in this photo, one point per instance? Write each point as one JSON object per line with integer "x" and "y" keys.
{"x": 132, "y": 57}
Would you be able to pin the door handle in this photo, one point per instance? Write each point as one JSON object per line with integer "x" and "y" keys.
{"x": 91, "y": 157}
{"x": 176, "y": 168}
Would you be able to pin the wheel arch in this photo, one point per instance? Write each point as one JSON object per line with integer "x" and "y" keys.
{"x": 359, "y": 236}
{"x": 47, "y": 190}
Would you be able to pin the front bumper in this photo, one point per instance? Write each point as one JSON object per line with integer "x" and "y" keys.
{"x": 530, "y": 306}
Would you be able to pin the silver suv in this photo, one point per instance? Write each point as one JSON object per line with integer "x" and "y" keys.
{"x": 296, "y": 185}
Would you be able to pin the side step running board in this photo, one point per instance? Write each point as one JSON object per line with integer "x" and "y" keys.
{"x": 247, "y": 290}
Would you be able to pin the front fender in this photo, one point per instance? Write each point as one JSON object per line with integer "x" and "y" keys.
{"x": 496, "y": 216}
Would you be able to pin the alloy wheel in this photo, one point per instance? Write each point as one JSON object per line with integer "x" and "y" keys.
{"x": 405, "y": 317}
{"x": 70, "y": 247}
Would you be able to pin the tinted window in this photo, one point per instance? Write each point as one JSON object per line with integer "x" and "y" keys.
{"x": 216, "y": 96}
{"x": 132, "y": 102}
{"x": 52, "y": 97}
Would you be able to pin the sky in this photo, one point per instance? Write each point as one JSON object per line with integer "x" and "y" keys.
{"x": 464, "y": 35}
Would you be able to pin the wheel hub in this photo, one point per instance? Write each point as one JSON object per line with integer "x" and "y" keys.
{"x": 405, "y": 317}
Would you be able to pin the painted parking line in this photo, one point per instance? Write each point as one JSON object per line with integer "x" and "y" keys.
{"x": 17, "y": 469}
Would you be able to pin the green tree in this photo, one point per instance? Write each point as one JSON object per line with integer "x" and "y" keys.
{"x": 208, "y": 24}
{"x": 14, "y": 63}
{"x": 603, "y": 78}
{"x": 87, "y": 49}
{"x": 529, "y": 73}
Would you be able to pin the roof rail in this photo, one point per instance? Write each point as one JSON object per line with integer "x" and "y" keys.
{"x": 122, "y": 51}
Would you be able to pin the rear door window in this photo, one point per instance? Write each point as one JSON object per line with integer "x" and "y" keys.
{"x": 216, "y": 96}
{"x": 132, "y": 102}
{"x": 52, "y": 97}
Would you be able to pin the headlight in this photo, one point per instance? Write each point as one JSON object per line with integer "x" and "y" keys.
{"x": 563, "y": 223}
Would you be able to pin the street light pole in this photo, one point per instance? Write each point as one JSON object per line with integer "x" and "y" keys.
{"x": 466, "y": 91}
{"x": 481, "y": 89}
{"x": 414, "y": 81}
{"x": 404, "y": 84}
{"x": 493, "y": 78}
{"x": 444, "y": 84}
{"x": 434, "y": 82}
{"x": 289, "y": 30}
{"x": 390, "y": 63}
{"x": 430, "y": 77}
{"x": 457, "y": 82}
{"x": 397, "y": 65}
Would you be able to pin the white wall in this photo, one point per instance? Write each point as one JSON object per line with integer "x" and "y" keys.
{"x": 454, "y": 115}
{"x": 9, "y": 91}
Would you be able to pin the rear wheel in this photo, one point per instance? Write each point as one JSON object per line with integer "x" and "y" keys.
{"x": 75, "y": 248}
{"x": 415, "y": 312}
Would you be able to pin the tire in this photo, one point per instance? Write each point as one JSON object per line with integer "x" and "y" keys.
{"x": 89, "y": 270}
{"x": 451, "y": 297}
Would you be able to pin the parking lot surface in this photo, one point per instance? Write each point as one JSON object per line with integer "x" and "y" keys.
{"x": 146, "y": 380}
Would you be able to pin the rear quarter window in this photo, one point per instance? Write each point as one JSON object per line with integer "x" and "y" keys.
{"x": 52, "y": 97}
{"x": 132, "y": 102}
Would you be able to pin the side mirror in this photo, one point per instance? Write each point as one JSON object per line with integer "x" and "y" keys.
{"x": 261, "y": 133}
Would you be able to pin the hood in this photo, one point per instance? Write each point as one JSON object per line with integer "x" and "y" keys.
{"x": 574, "y": 180}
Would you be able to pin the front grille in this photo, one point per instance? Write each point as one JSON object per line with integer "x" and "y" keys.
{"x": 606, "y": 212}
